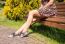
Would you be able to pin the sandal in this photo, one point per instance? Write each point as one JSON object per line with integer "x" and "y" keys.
{"x": 13, "y": 35}
{"x": 24, "y": 34}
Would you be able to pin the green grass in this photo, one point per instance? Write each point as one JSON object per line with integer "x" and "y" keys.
{"x": 50, "y": 34}
{"x": 42, "y": 33}
{"x": 4, "y": 21}
{"x": 1, "y": 5}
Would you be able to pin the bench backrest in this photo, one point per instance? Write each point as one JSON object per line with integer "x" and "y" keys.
{"x": 61, "y": 8}
{"x": 59, "y": 20}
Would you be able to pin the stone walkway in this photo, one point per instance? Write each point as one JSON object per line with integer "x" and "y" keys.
{"x": 5, "y": 31}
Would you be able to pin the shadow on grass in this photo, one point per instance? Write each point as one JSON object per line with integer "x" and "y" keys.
{"x": 53, "y": 33}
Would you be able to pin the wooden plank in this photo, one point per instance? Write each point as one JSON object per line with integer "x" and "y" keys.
{"x": 53, "y": 24}
{"x": 60, "y": 3}
{"x": 61, "y": 13}
{"x": 60, "y": 6}
{"x": 61, "y": 10}
{"x": 57, "y": 19}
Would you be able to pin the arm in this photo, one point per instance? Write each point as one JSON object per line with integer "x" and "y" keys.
{"x": 49, "y": 3}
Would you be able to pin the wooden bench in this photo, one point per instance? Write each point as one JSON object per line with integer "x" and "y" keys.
{"x": 59, "y": 20}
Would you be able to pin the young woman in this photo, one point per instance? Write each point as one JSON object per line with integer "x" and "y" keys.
{"x": 46, "y": 9}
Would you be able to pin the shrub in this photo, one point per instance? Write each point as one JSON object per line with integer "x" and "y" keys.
{"x": 17, "y": 9}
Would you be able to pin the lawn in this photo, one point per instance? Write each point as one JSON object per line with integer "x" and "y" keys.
{"x": 42, "y": 33}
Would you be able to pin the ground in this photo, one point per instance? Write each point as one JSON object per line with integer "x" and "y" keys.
{"x": 5, "y": 31}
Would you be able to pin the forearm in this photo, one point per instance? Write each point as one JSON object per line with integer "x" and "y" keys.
{"x": 49, "y": 4}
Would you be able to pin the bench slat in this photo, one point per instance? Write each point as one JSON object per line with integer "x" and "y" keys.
{"x": 55, "y": 25}
{"x": 60, "y": 7}
{"x": 61, "y": 13}
{"x": 57, "y": 19}
{"x": 61, "y": 10}
{"x": 60, "y": 3}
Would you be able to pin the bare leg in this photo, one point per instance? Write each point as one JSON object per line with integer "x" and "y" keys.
{"x": 26, "y": 25}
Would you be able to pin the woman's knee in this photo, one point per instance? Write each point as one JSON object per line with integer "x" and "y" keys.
{"x": 33, "y": 12}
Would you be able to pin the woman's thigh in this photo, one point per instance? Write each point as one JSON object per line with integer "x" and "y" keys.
{"x": 35, "y": 13}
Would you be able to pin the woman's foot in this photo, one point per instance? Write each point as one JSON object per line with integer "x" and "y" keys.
{"x": 24, "y": 34}
{"x": 13, "y": 35}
